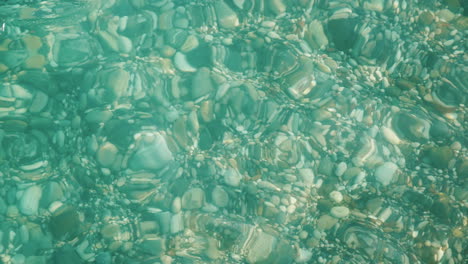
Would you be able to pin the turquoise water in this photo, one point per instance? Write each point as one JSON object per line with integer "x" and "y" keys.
{"x": 233, "y": 131}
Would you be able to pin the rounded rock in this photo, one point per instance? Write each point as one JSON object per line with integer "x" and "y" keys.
{"x": 339, "y": 211}
{"x": 29, "y": 203}
{"x": 385, "y": 173}
{"x": 336, "y": 196}
{"x": 106, "y": 154}
{"x": 220, "y": 197}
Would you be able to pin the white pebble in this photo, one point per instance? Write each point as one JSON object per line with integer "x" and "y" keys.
{"x": 384, "y": 173}
{"x": 340, "y": 169}
{"x": 339, "y": 211}
{"x": 29, "y": 203}
{"x": 336, "y": 196}
{"x": 176, "y": 205}
{"x": 291, "y": 208}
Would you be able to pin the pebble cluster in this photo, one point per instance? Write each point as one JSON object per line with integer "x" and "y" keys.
{"x": 233, "y": 131}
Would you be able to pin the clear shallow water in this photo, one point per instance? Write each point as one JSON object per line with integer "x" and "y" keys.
{"x": 235, "y": 131}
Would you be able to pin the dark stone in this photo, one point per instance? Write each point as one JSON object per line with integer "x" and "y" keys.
{"x": 104, "y": 258}
{"x": 393, "y": 91}
{"x": 200, "y": 56}
{"x": 414, "y": 198}
{"x": 12, "y": 58}
{"x": 3, "y": 206}
{"x": 65, "y": 223}
{"x": 431, "y": 60}
{"x": 442, "y": 209}
{"x": 36, "y": 260}
{"x": 153, "y": 247}
{"x": 206, "y": 141}
{"x": 462, "y": 169}
{"x": 439, "y": 130}
{"x": 343, "y": 32}
{"x": 35, "y": 79}
{"x": 11, "y": 196}
{"x": 179, "y": 186}
{"x": 216, "y": 129}
{"x": 324, "y": 205}
{"x": 67, "y": 255}
{"x": 119, "y": 132}
{"x": 234, "y": 59}
{"x": 440, "y": 156}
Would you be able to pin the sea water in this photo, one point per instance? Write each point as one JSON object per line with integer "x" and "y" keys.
{"x": 233, "y": 131}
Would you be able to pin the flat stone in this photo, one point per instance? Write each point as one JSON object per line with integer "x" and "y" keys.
{"x": 385, "y": 173}
{"x": 202, "y": 83}
{"x": 165, "y": 20}
{"x": 109, "y": 41}
{"x": 239, "y": 3}
{"x": 299, "y": 82}
{"x": 326, "y": 222}
{"x": 307, "y": 176}
{"x": 32, "y": 42}
{"x": 29, "y": 201}
{"x": 261, "y": 248}
{"x": 167, "y": 51}
{"x": 227, "y": 18}
{"x": 193, "y": 199}
{"x": 117, "y": 82}
{"x": 153, "y": 154}
{"x": 109, "y": 231}
{"x": 351, "y": 173}
{"x": 190, "y": 43}
{"x": 148, "y": 227}
{"x": 277, "y": 6}
{"x": 339, "y": 211}
{"x": 176, "y": 205}
{"x": 98, "y": 116}
{"x": 220, "y": 197}
{"x": 340, "y": 169}
{"x": 374, "y": 5}
{"x": 39, "y": 102}
{"x": 125, "y": 44}
{"x": 71, "y": 51}
{"x": 445, "y": 15}
{"x": 35, "y": 61}
{"x": 439, "y": 130}
{"x": 206, "y": 111}
{"x": 232, "y": 177}
{"x": 177, "y": 223}
{"x": 326, "y": 166}
{"x": 106, "y": 154}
